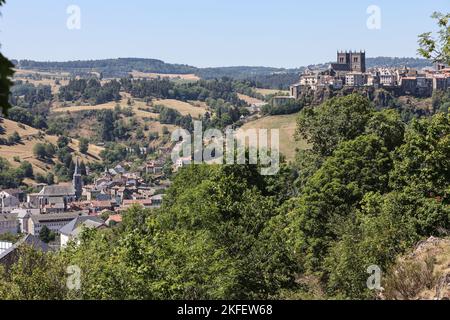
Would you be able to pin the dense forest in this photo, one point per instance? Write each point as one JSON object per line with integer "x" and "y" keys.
{"x": 91, "y": 91}
{"x": 108, "y": 68}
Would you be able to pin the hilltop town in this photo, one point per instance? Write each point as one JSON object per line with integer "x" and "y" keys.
{"x": 350, "y": 72}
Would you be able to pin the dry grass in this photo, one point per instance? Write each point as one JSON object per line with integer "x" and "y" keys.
{"x": 22, "y": 72}
{"x": 287, "y": 125}
{"x": 105, "y": 106}
{"x": 182, "y": 107}
{"x": 45, "y": 82}
{"x": 423, "y": 274}
{"x": 144, "y": 75}
{"x": 249, "y": 100}
{"x": 267, "y": 92}
{"x": 30, "y": 137}
{"x": 141, "y": 115}
{"x": 109, "y": 106}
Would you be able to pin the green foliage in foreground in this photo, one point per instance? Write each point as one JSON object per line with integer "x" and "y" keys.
{"x": 226, "y": 232}
{"x": 6, "y": 72}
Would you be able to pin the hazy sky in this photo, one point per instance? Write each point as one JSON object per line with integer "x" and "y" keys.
{"x": 279, "y": 33}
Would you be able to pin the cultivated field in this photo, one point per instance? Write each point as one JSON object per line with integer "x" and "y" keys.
{"x": 287, "y": 125}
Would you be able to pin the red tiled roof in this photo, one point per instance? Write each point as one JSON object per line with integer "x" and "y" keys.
{"x": 143, "y": 202}
{"x": 102, "y": 204}
{"x": 115, "y": 217}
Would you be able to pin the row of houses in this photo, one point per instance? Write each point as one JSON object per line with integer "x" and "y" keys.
{"x": 56, "y": 206}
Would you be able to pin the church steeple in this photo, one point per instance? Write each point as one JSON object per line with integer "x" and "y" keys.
{"x": 77, "y": 181}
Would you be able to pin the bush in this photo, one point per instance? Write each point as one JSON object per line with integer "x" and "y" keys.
{"x": 84, "y": 145}
{"x": 14, "y": 138}
{"x": 44, "y": 151}
{"x": 408, "y": 278}
{"x": 26, "y": 169}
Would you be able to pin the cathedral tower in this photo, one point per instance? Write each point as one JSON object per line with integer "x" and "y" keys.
{"x": 77, "y": 181}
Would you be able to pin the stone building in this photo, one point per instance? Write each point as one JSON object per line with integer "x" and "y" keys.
{"x": 77, "y": 182}
{"x": 350, "y": 61}
{"x": 354, "y": 79}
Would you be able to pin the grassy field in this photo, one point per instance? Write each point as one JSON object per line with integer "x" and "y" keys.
{"x": 249, "y": 100}
{"x": 45, "y": 82}
{"x": 144, "y": 75}
{"x": 30, "y": 137}
{"x": 85, "y": 128}
{"x": 287, "y": 125}
{"x": 23, "y": 72}
{"x": 267, "y": 92}
{"x": 105, "y": 106}
{"x": 137, "y": 105}
{"x": 182, "y": 107}
{"x": 194, "y": 109}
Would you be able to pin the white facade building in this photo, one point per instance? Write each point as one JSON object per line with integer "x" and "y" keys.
{"x": 354, "y": 79}
{"x": 387, "y": 78}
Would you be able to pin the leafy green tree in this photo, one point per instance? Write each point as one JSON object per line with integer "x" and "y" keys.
{"x": 437, "y": 48}
{"x": 36, "y": 276}
{"x": 46, "y": 235}
{"x": 50, "y": 150}
{"x": 422, "y": 163}
{"x": 387, "y": 125}
{"x": 229, "y": 203}
{"x": 107, "y": 126}
{"x": 330, "y": 195}
{"x": 84, "y": 145}
{"x": 14, "y": 138}
{"x": 50, "y": 179}
{"x": 6, "y": 72}
{"x": 63, "y": 142}
{"x": 39, "y": 151}
{"x": 337, "y": 120}
{"x": 26, "y": 169}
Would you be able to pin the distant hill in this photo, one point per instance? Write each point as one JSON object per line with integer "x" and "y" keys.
{"x": 398, "y": 62}
{"x": 109, "y": 67}
{"x": 267, "y": 77}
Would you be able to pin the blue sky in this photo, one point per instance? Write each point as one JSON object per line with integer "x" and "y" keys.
{"x": 279, "y": 33}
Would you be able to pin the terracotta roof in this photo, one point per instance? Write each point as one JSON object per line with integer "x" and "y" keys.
{"x": 104, "y": 204}
{"x": 116, "y": 218}
{"x": 143, "y": 202}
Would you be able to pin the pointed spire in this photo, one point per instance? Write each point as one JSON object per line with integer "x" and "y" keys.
{"x": 77, "y": 180}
